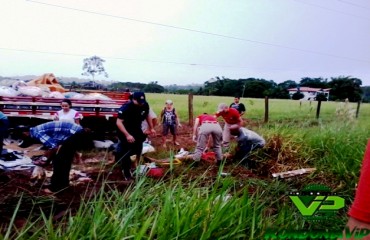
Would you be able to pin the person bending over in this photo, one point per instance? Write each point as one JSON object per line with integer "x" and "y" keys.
{"x": 62, "y": 139}
{"x": 232, "y": 118}
{"x": 205, "y": 126}
{"x": 247, "y": 141}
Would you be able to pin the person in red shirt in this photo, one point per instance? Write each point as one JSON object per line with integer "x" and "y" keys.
{"x": 232, "y": 119}
{"x": 359, "y": 213}
{"x": 205, "y": 126}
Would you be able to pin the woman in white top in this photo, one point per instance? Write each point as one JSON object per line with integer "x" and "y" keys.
{"x": 67, "y": 113}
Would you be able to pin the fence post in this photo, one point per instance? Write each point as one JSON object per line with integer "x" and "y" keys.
{"x": 190, "y": 106}
{"x": 358, "y": 108}
{"x": 266, "y": 109}
{"x": 318, "y": 109}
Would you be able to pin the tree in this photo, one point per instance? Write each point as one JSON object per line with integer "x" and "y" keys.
{"x": 93, "y": 66}
{"x": 153, "y": 87}
{"x": 321, "y": 97}
{"x": 345, "y": 87}
{"x": 278, "y": 92}
{"x": 288, "y": 84}
{"x": 297, "y": 96}
{"x": 366, "y": 94}
{"x": 257, "y": 88}
{"x": 314, "y": 82}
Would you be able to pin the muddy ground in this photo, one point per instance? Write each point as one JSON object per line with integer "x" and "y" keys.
{"x": 99, "y": 166}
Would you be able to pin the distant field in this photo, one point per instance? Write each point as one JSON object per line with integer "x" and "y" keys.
{"x": 279, "y": 109}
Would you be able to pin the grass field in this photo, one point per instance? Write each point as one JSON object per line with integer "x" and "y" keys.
{"x": 232, "y": 207}
{"x": 279, "y": 110}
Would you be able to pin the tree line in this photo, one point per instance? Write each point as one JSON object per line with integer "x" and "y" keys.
{"x": 343, "y": 87}
{"x": 340, "y": 88}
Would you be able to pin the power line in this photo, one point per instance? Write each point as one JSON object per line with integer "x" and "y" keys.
{"x": 123, "y": 58}
{"x": 201, "y": 32}
{"x": 354, "y": 4}
{"x": 330, "y": 9}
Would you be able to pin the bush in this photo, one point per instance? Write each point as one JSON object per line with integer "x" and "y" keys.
{"x": 297, "y": 96}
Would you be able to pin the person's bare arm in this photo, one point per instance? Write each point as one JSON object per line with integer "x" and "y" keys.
{"x": 122, "y": 128}
{"x": 154, "y": 122}
{"x": 195, "y": 129}
{"x": 240, "y": 122}
{"x": 177, "y": 119}
{"x": 151, "y": 129}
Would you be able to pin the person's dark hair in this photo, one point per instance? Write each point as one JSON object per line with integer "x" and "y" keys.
{"x": 85, "y": 140}
{"x": 237, "y": 96}
{"x": 67, "y": 101}
{"x": 26, "y": 142}
{"x": 235, "y": 131}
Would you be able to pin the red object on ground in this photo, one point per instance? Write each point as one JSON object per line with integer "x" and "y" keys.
{"x": 155, "y": 172}
{"x": 209, "y": 157}
{"x": 360, "y": 208}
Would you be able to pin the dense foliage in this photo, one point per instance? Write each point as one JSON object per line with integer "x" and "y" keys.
{"x": 340, "y": 88}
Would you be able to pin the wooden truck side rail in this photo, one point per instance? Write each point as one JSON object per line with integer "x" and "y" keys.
{"x": 39, "y": 107}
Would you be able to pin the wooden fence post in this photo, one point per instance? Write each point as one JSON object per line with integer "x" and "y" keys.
{"x": 266, "y": 109}
{"x": 318, "y": 109}
{"x": 358, "y": 108}
{"x": 190, "y": 106}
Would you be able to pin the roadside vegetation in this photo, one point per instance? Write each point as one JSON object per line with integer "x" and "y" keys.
{"x": 205, "y": 204}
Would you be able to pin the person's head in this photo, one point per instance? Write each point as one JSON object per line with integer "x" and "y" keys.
{"x": 235, "y": 130}
{"x": 138, "y": 98}
{"x": 168, "y": 103}
{"x": 236, "y": 99}
{"x": 222, "y": 107}
{"x": 85, "y": 140}
{"x": 66, "y": 104}
{"x": 26, "y": 139}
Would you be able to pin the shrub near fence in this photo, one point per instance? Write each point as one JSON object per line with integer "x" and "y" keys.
{"x": 279, "y": 109}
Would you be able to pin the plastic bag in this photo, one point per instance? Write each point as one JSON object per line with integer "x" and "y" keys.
{"x": 8, "y": 92}
{"x": 96, "y": 96}
{"x": 58, "y": 95}
{"x": 30, "y": 91}
{"x": 18, "y": 84}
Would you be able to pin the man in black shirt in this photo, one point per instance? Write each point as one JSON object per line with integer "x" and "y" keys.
{"x": 238, "y": 106}
{"x": 131, "y": 137}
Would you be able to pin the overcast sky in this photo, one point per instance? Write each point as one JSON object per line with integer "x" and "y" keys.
{"x": 187, "y": 41}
